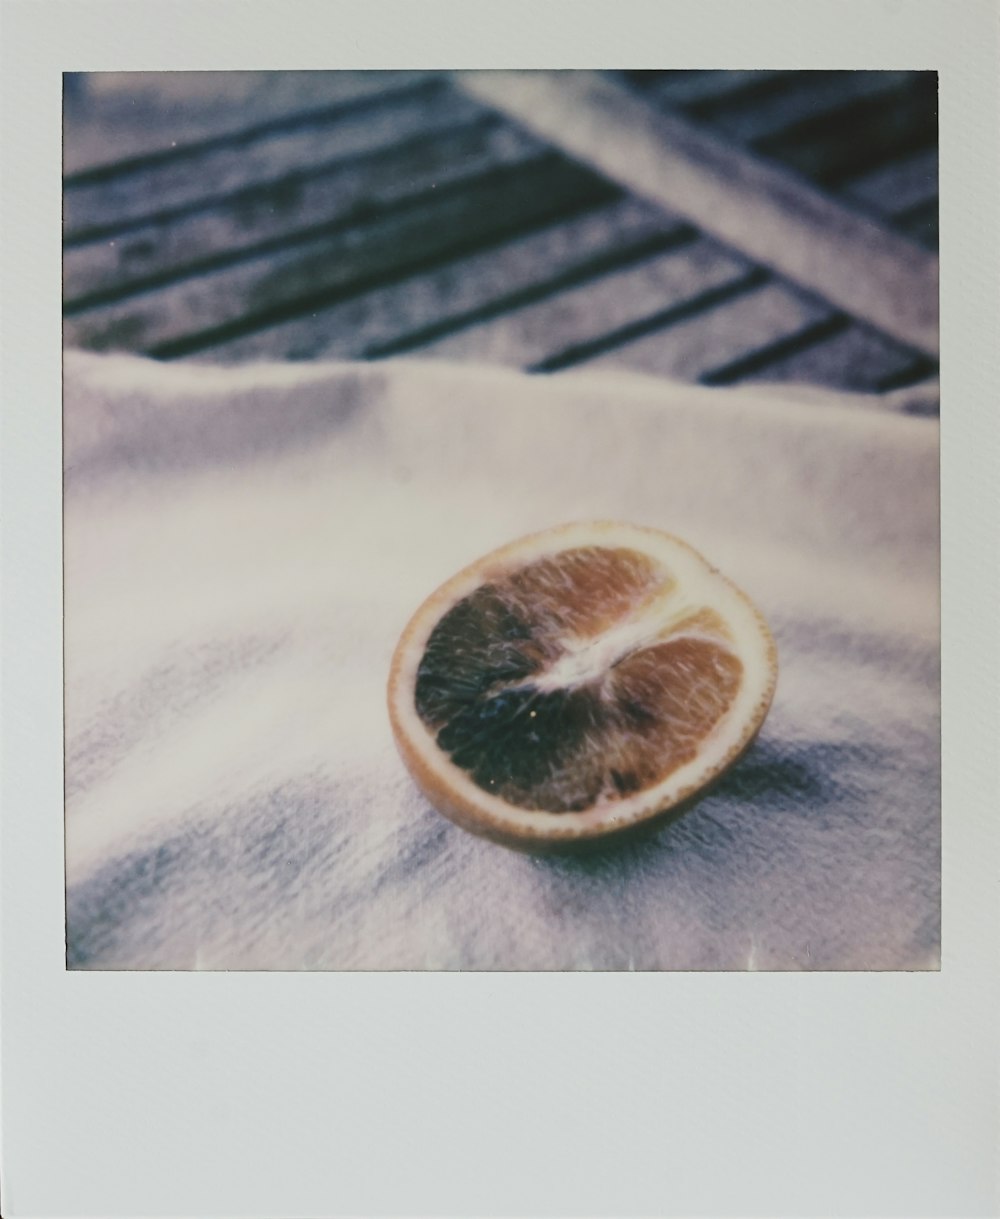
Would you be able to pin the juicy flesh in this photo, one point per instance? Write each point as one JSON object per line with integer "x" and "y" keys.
{"x": 577, "y": 679}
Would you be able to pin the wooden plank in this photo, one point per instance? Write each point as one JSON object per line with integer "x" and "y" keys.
{"x": 352, "y": 192}
{"x": 849, "y": 259}
{"x": 110, "y": 117}
{"x": 541, "y": 333}
{"x": 906, "y": 182}
{"x": 832, "y": 148}
{"x": 264, "y": 289}
{"x": 806, "y": 96}
{"x": 855, "y": 358}
{"x": 693, "y": 89}
{"x": 407, "y": 315}
{"x": 100, "y": 208}
{"x": 921, "y": 223}
{"x": 692, "y": 349}
{"x": 642, "y": 80}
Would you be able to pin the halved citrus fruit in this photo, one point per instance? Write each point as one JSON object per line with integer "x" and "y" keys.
{"x": 578, "y": 683}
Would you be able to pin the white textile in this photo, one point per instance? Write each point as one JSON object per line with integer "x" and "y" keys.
{"x": 242, "y": 550}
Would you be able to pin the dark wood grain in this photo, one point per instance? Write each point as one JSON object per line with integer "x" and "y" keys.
{"x": 921, "y": 223}
{"x": 855, "y": 358}
{"x": 906, "y": 192}
{"x": 838, "y": 353}
{"x": 403, "y": 317}
{"x": 804, "y": 97}
{"x": 849, "y": 259}
{"x": 95, "y": 209}
{"x": 539, "y": 333}
{"x": 195, "y": 314}
{"x": 697, "y": 346}
{"x": 708, "y": 88}
{"x": 353, "y": 192}
{"x": 114, "y": 118}
{"x": 226, "y": 217}
{"x": 831, "y": 147}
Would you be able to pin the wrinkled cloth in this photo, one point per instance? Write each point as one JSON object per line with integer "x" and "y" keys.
{"x": 243, "y": 548}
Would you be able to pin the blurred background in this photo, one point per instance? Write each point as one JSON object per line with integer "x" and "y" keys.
{"x": 237, "y": 216}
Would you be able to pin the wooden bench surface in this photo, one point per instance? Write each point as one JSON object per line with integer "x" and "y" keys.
{"x": 238, "y": 216}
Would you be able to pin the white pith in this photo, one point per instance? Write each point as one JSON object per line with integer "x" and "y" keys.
{"x": 586, "y": 659}
{"x": 696, "y": 586}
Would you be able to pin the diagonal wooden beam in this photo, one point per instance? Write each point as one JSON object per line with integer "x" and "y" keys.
{"x": 758, "y": 208}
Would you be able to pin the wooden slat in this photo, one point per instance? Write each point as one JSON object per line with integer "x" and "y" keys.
{"x": 855, "y": 358}
{"x": 111, "y": 117}
{"x": 703, "y": 88}
{"x": 694, "y": 348}
{"x": 577, "y": 318}
{"x": 806, "y": 96}
{"x": 99, "y": 208}
{"x": 849, "y": 259}
{"x": 644, "y": 79}
{"x": 921, "y": 223}
{"x": 831, "y": 148}
{"x": 198, "y": 240}
{"x": 405, "y": 316}
{"x": 904, "y": 183}
{"x": 194, "y": 314}
{"x": 843, "y": 118}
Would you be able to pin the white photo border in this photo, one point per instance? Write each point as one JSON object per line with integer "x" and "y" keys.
{"x": 484, "y": 1094}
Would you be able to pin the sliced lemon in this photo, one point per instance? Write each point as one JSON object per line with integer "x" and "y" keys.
{"x": 578, "y": 683}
